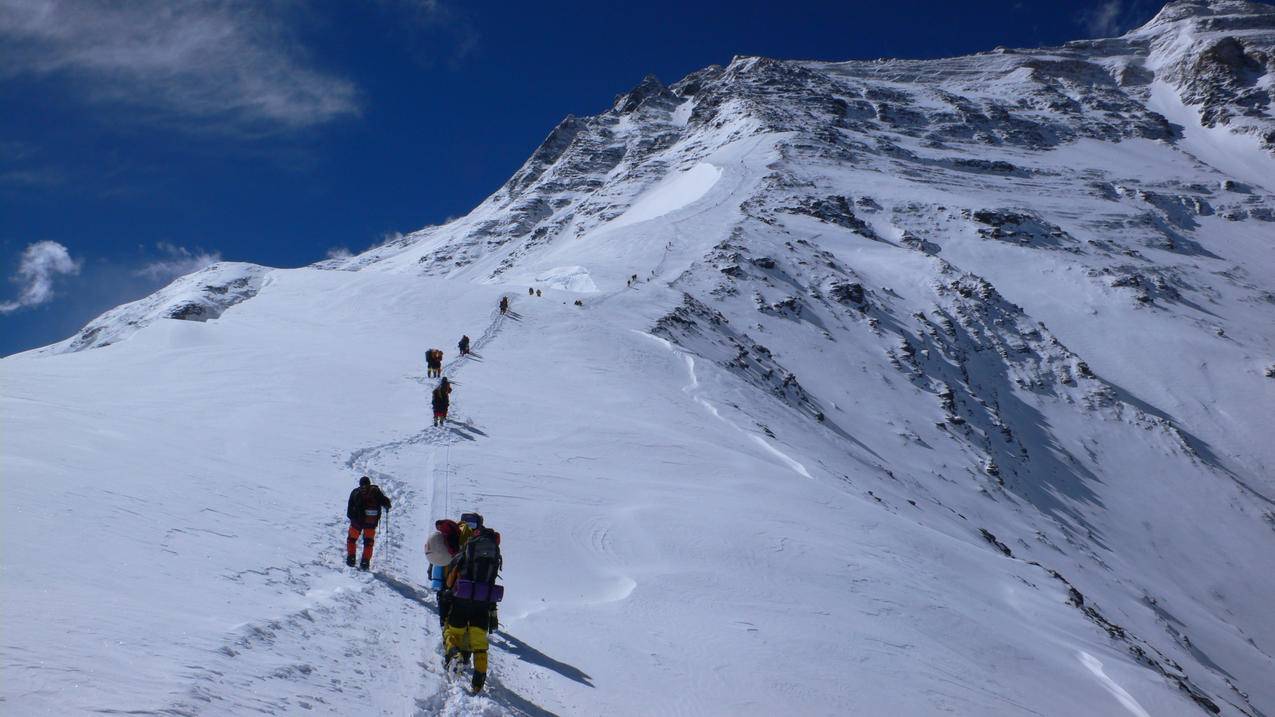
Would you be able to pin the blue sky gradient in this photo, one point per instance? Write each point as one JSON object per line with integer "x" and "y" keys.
{"x": 149, "y": 140}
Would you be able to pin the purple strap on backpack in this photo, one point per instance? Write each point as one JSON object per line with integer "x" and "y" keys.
{"x": 480, "y": 592}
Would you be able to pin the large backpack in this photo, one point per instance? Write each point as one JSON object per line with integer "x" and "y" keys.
{"x": 479, "y": 569}
{"x": 368, "y": 505}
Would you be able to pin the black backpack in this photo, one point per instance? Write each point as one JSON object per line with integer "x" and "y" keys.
{"x": 482, "y": 559}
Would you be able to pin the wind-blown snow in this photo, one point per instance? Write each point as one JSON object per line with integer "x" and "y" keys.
{"x": 567, "y": 278}
{"x": 1126, "y": 699}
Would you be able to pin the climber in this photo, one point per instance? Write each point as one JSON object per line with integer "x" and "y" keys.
{"x": 463, "y": 345}
{"x": 440, "y": 400}
{"x": 504, "y": 304}
{"x": 441, "y": 547}
{"x": 465, "y": 529}
{"x": 471, "y": 582}
{"x": 364, "y": 512}
{"x": 433, "y": 363}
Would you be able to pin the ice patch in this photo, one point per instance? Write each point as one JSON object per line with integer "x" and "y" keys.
{"x": 568, "y": 278}
{"x": 1126, "y": 699}
{"x": 671, "y": 194}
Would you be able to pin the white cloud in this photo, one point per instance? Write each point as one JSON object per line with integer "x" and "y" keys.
{"x": 42, "y": 262}
{"x": 339, "y": 252}
{"x": 231, "y": 65}
{"x": 177, "y": 261}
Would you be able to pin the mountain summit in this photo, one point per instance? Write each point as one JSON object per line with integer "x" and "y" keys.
{"x": 907, "y": 386}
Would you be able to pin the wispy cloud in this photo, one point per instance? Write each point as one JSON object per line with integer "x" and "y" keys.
{"x": 339, "y": 252}
{"x": 432, "y": 30}
{"x": 176, "y": 261}
{"x": 35, "y": 178}
{"x": 20, "y": 170}
{"x": 228, "y": 65}
{"x": 41, "y": 264}
{"x": 1111, "y": 18}
{"x": 1103, "y": 20}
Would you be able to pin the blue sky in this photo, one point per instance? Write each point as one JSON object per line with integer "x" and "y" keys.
{"x": 141, "y": 140}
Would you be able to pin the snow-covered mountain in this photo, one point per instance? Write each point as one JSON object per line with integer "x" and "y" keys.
{"x": 921, "y": 386}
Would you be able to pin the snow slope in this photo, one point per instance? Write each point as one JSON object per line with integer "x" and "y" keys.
{"x": 206, "y": 540}
{"x": 944, "y": 387}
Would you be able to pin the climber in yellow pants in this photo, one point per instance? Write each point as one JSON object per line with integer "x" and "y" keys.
{"x": 466, "y": 634}
{"x": 471, "y": 611}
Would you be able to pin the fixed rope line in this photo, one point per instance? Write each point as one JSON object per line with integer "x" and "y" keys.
{"x": 447, "y": 480}
{"x": 482, "y": 341}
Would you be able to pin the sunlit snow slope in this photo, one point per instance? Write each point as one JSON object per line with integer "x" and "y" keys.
{"x": 943, "y": 387}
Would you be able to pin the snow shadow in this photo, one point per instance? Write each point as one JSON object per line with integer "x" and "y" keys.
{"x": 501, "y": 639}
{"x": 1174, "y": 240}
{"x": 979, "y": 355}
{"x": 1198, "y": 447}
{"x": 1176, "y": 628}
{"x": 470, "y": 428}
{"x": 423, "y": 596}
{"x": 458, "y": 432}
{"x": 516, "y": 703}
{"x": 495, "y": 691}
{"x": 531, "y": 655}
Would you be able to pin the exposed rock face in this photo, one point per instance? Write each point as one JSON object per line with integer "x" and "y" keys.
{"x": 931, "y": 118}
{"x": 1020, "y": 228}
{"x": 1219, "y": 55}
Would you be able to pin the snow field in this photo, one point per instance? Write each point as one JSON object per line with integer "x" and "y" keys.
{"x": 645, "y": 543}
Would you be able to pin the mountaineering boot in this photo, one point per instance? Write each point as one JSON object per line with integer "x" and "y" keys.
{"x": 363, "y": 564}
{"x": 479, "y": 679}
{"x": 349, "y": 560}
